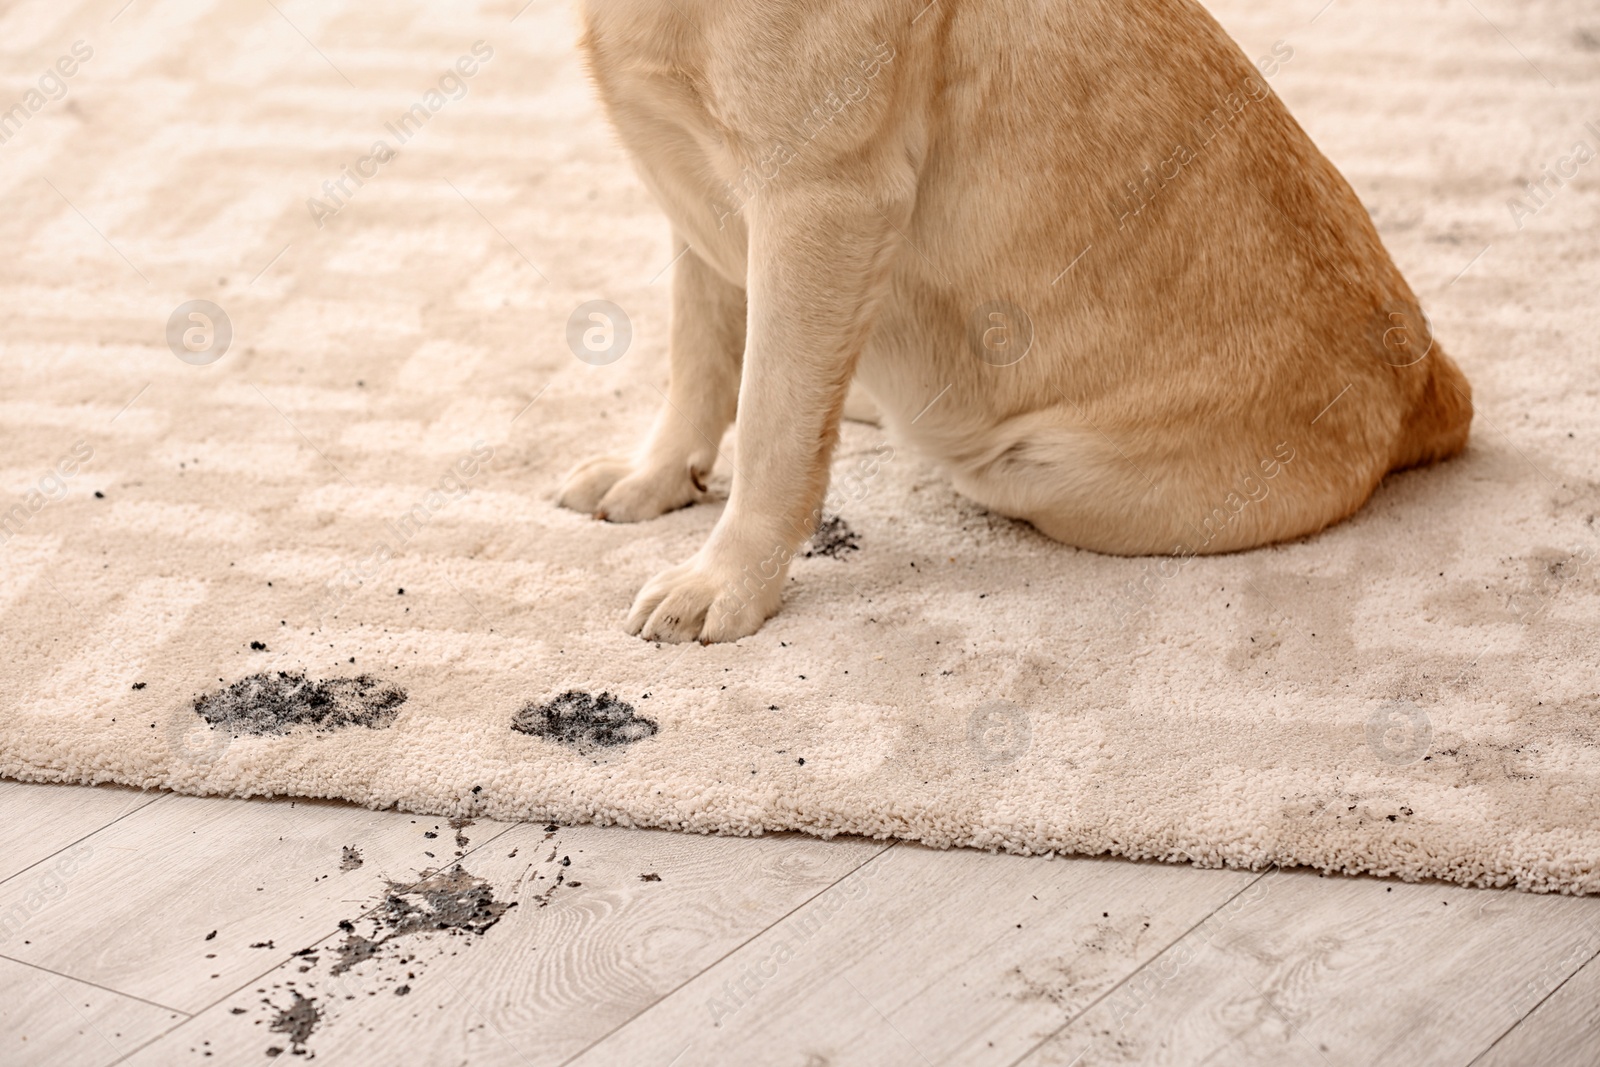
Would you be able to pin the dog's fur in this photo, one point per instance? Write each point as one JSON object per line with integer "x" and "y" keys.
{"x": 860, "y": 183}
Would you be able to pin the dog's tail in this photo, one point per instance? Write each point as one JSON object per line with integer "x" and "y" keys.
{"x": 1438, "y": 425}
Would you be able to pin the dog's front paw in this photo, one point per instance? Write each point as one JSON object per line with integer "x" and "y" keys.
{"x": 697, "y": 601}
{"x": 611, "y": 488}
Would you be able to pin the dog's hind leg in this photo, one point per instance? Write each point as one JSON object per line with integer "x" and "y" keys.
{"x": 670, "y": 468}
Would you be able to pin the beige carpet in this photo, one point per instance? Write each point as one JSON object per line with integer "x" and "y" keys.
{"x": 1413, "y": 693}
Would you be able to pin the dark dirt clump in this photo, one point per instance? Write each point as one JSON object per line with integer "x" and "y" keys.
{"x": 350, "y": 859}
{"x": 833, "y": 539}
{"x": 297, "y": 1021}
{"x": 354, "y": 950}
{"x": 584, "y": 721}
{"x": 275, "y": 702}
{"x": 450, "y": 901}
{"x": 443, "y": 900}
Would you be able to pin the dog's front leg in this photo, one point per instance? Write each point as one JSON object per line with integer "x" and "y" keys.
{"x": 669, "y": 471}
{"x": 818, "y": 259}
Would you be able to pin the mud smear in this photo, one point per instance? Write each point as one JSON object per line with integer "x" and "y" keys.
{"x": 403, "y": 932}
{"x": 350, "y": 859}
{"x": 444, "y": 900}
{"x": 276, "y": 702}
{"x": 452, "y": 901}
{"x": 584, "y": 722}
{"x": 833, "y": 539}
{"x": 297, "y": 1021}
{"x": 356, "y": 949}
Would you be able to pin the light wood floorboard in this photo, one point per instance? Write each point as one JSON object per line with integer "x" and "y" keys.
{"x": 926, "y": 957}
{"x": 169, "y": 901}
{"x": 1564, "y": 1030}
{"x": 1302, "y": 969}
{"x": 38, "y": 821}
{"x": 47, "y": 1019}
{"x": 635, "y": 947}
{"x": 635, "y": 915}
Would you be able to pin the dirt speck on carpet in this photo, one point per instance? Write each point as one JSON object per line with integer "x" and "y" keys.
{"x": 833, "y": 539}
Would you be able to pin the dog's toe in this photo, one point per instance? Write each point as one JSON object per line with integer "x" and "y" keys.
{"x": 692, "y": 602}
{"x": 615, "y": 489}
{"x": 647, "y": 494}
{"x": 590, "y": 481}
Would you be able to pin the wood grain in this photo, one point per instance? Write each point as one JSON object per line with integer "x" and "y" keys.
{"x": 49, "y": 1020}
{"x": 1302, "y": 969}
{"x": 36, "y": 821}
{"x": 222, "y": 876}
{"x": 926, "y": 957}
{"x": 591, "y": 944}
{"x": 1564, "y": 1029}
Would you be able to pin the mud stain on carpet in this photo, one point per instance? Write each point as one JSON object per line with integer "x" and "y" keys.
{"x": 833, "y": 539}
{"x": 276, "y": 702}
{"x": 585, "y": 722}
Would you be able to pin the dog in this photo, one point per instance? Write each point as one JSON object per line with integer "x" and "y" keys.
{"x": 1076, "y": 251}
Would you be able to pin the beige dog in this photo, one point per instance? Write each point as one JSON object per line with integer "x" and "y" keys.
{"x": 1076, "y": 251}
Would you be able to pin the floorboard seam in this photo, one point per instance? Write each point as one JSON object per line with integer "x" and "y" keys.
{"x": 317, "y": 940}
{"x": 1087, "y": 1008}
{"x": 737, "y": 948}
{"x": 85, "y": 837}
{"x": 1529, "y": 1013}
{"x": 95, "y": 985}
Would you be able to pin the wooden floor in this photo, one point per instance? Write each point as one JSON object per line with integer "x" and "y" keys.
{"x": 148, "y": 928}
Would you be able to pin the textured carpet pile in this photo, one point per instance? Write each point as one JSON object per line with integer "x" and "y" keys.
{"x": 327, "y": 561}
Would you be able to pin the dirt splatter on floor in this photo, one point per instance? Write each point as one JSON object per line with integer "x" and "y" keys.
{"x": 584, "y": 721}
{"x": 297, "y": 1022}
{"x": 833, "y": 539}
{"x": 276, "y": 702}
{"x": 443, "y": 900}
{"x": 356, "y": 949}
{"x": 411, "y": 923}
{"x": 350, "y": 859}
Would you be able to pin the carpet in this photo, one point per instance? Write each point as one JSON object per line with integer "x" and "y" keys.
{"x": 288, "y": 391}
